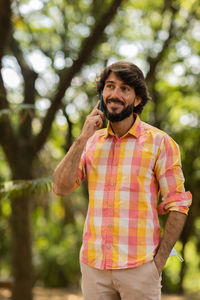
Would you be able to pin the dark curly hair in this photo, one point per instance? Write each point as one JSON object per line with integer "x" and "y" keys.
{"x": 130, "y": 74}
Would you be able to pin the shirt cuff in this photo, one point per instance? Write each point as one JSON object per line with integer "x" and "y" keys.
{"x": 178, "y": 202}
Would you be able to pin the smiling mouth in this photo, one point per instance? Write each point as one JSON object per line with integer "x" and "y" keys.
{"x": 115, "y": 101}
{"x": 115, "y": 106}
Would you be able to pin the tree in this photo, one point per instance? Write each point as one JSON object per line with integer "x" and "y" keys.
{"x": 18, "y": 139}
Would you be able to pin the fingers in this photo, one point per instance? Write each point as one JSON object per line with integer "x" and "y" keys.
{"x": 92, "y": 123}
{"x": 98, "y": 121}
{"x": 96, "y": 111}
{"x": 96, "y": 108}
{"x": 97, "y": 105}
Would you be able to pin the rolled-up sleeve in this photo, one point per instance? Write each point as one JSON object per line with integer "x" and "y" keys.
{"x": 170, "y": 178}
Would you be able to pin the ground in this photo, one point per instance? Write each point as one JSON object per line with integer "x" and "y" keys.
{"x": 61, "y": 294}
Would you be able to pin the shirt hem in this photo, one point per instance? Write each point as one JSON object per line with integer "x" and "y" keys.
{"x": 126, "y": 266}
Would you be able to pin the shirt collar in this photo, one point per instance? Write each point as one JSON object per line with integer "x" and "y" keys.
{"x": 135, "y": 129}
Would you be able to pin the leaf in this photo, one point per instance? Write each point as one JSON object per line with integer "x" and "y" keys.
{"x": 17, "y": 188}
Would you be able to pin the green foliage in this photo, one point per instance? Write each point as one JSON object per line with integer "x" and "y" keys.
{"x": 17, "y": 188}
{"x": 171, "y": 274}
{"x": 192, "y": 277}
{"x": 56, "y": 248}
{"x": 4, "y": 170}
{"x": 5, "y": 235}
{"x": 8, "y": 192}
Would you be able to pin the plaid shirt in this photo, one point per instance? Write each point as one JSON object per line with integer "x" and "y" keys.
{"x": 125, "y": 176}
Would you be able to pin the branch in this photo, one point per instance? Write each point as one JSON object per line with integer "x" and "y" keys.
{"x": 63, "y": 34}
{"x": 173, "y": 32}
{"x": 86, "y": 50}
{"x": 34, "y": 41}
{"x": 5, "y": 17}
{"x": 69, "y": 137}
{"x": 7, "y": 137}
{"x": 169, "y": 5}
{"x": 153, "y": 62}
{"x": 29, "y": 76}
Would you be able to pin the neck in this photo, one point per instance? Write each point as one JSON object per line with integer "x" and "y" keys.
{"x": 122, "y": 127}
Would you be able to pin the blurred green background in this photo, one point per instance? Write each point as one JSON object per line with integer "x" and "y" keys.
{"x": 50, "y": 54}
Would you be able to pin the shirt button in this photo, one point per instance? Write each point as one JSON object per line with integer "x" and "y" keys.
{"x": 108, "y": 246}
{"x": 112, "y": 184}
{"x": 110, "y": 204}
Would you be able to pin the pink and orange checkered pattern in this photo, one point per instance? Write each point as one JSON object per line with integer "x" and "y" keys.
{"x": 125, "y": 176}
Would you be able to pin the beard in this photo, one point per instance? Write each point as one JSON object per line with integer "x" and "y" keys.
{"x": 117, "y": 117}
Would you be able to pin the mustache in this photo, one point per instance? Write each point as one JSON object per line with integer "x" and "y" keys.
{"x": 114, "y": 100}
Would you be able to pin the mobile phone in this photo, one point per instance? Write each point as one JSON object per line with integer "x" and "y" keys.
{"x": 101, "y": 101}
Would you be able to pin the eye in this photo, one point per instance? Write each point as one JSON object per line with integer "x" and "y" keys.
{"x": 109, "y": 86}
{"x": 125, "y": 88}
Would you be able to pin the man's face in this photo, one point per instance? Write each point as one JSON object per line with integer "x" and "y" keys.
{"x": 119, "y": 99}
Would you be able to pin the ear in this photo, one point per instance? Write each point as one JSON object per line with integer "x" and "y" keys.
{"x": 137, "y": 101}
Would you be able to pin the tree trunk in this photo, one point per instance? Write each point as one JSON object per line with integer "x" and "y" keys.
{"x": 21, "y": 249}
{"x": 22, "y": 270}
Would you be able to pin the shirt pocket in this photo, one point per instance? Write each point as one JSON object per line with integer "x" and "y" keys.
{"x": 143, "y": 162}
{"x": 137, "y": 171}
{"x": 129, "y": 182}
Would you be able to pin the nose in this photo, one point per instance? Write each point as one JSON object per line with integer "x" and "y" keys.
{"x": 116, "y": 93}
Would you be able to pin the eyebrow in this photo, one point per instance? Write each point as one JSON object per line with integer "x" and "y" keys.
{"x": 111, "y": 81}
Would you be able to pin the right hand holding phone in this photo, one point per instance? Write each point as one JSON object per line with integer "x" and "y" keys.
{"x": 93, "y": 122}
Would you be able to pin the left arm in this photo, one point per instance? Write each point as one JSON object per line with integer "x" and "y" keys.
{"x": 175, "y": 200}
{"x": 172, "y": 231}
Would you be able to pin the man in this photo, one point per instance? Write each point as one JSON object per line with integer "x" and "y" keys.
{"x": 127, "y": 165}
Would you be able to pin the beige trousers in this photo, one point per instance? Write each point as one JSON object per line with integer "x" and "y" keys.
{"x": 140, "y": 283}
